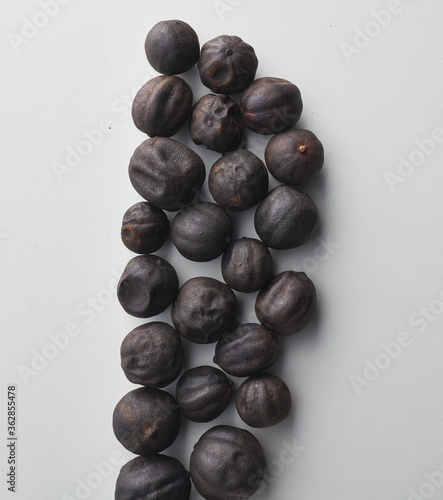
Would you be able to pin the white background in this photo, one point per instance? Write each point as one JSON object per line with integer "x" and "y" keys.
{"x": 60, "y": 241}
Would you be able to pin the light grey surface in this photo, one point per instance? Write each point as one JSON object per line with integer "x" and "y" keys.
{"x": 60, "y": 246}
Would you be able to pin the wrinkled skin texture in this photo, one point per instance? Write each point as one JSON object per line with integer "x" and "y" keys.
{"x": 203, "y": 393}
{"x": 246, "y": 350}
{"x": 238, "y": 180}
{"x": 172, "y": 47}
{"x": 227, "y": 463}
{"x": 162, "y": 105}
{"x": 166, "y": 173}
{"x": 216, "y": 123}
{"x": 203, "y": 310}
{"x": 294, "y": 157}
{"x": 287, "y": 303}
{"x": 271, "y": 105}
{"x": 152, "y": 355}
{"x": 227, "y": 64}
{"x": 286, "y": 218}
{"x": 153, "y": 478}
{"x": 144, "y": 228}
{"x": 146, "y": 421}
{"x": 201, "y": 232}
{"x": 246, "y": 265}
{"x": 263, "y": 400}
{"x": 147, "y": 286}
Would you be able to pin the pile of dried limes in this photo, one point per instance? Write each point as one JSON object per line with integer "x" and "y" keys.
{"x": 227, "y": 462}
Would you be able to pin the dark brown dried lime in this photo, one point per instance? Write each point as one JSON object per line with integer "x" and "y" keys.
{"x": 246, "y": 265}
{"x": 159, "y": 477}
{"x": 263, "y": 400}
{"x": 147, "y": 286}
{"x": 227, "y": 463}
{"x": 294, "y": 157}
{"x": 152, "y": 355}
{"x": 172, "y": 47}
{"x": 203, "y": 310}
{"x": 286, "y": 218}
{"x": 216, "y": 123}
{"x": 144, "y": 228}
{"x": 287, "y": 303}
{"x": 203, "y": 393}
{"x": 227, "y": 64}
{"x": 166, "y": 173}
{"x": 201, "y": 231}
{"x": 246, "y": 350}
{"x": 162, "y": 105}
{"x": 271, "y": 105}
{"x": 238, "y": 180}
{"x": 146, "y": 421}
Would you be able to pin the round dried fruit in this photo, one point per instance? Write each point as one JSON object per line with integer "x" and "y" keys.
{"x": 227, "y": 64}
{"x": 203, "y": 393}
{"x": 152, "y": 355}
{"x": 144, "y": 228}
{"x": 246, "y": 265}
{"x": 294, "y": 157}
{"x": 227, "y": 462}
{"x": 162, "y": 105}
{"x": 287, "y": 303}
{"x": 263, "y": 400}
{"x": 238, "y": 180}
{"x": 246, "y": 350}
{"x": 166, "y": 173}
{"x": 160, "y": 477}
{"x": 172, "y": 47}
{"x": 203, "y": 310}
{"x": 201, "y": 232}
{"x": 147, "y": 286}
{"x": 216, "y": 123}
{"x": 146, "y": 421}
{"x": 286, "y": 218}
{"x": 271, "y": 105}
